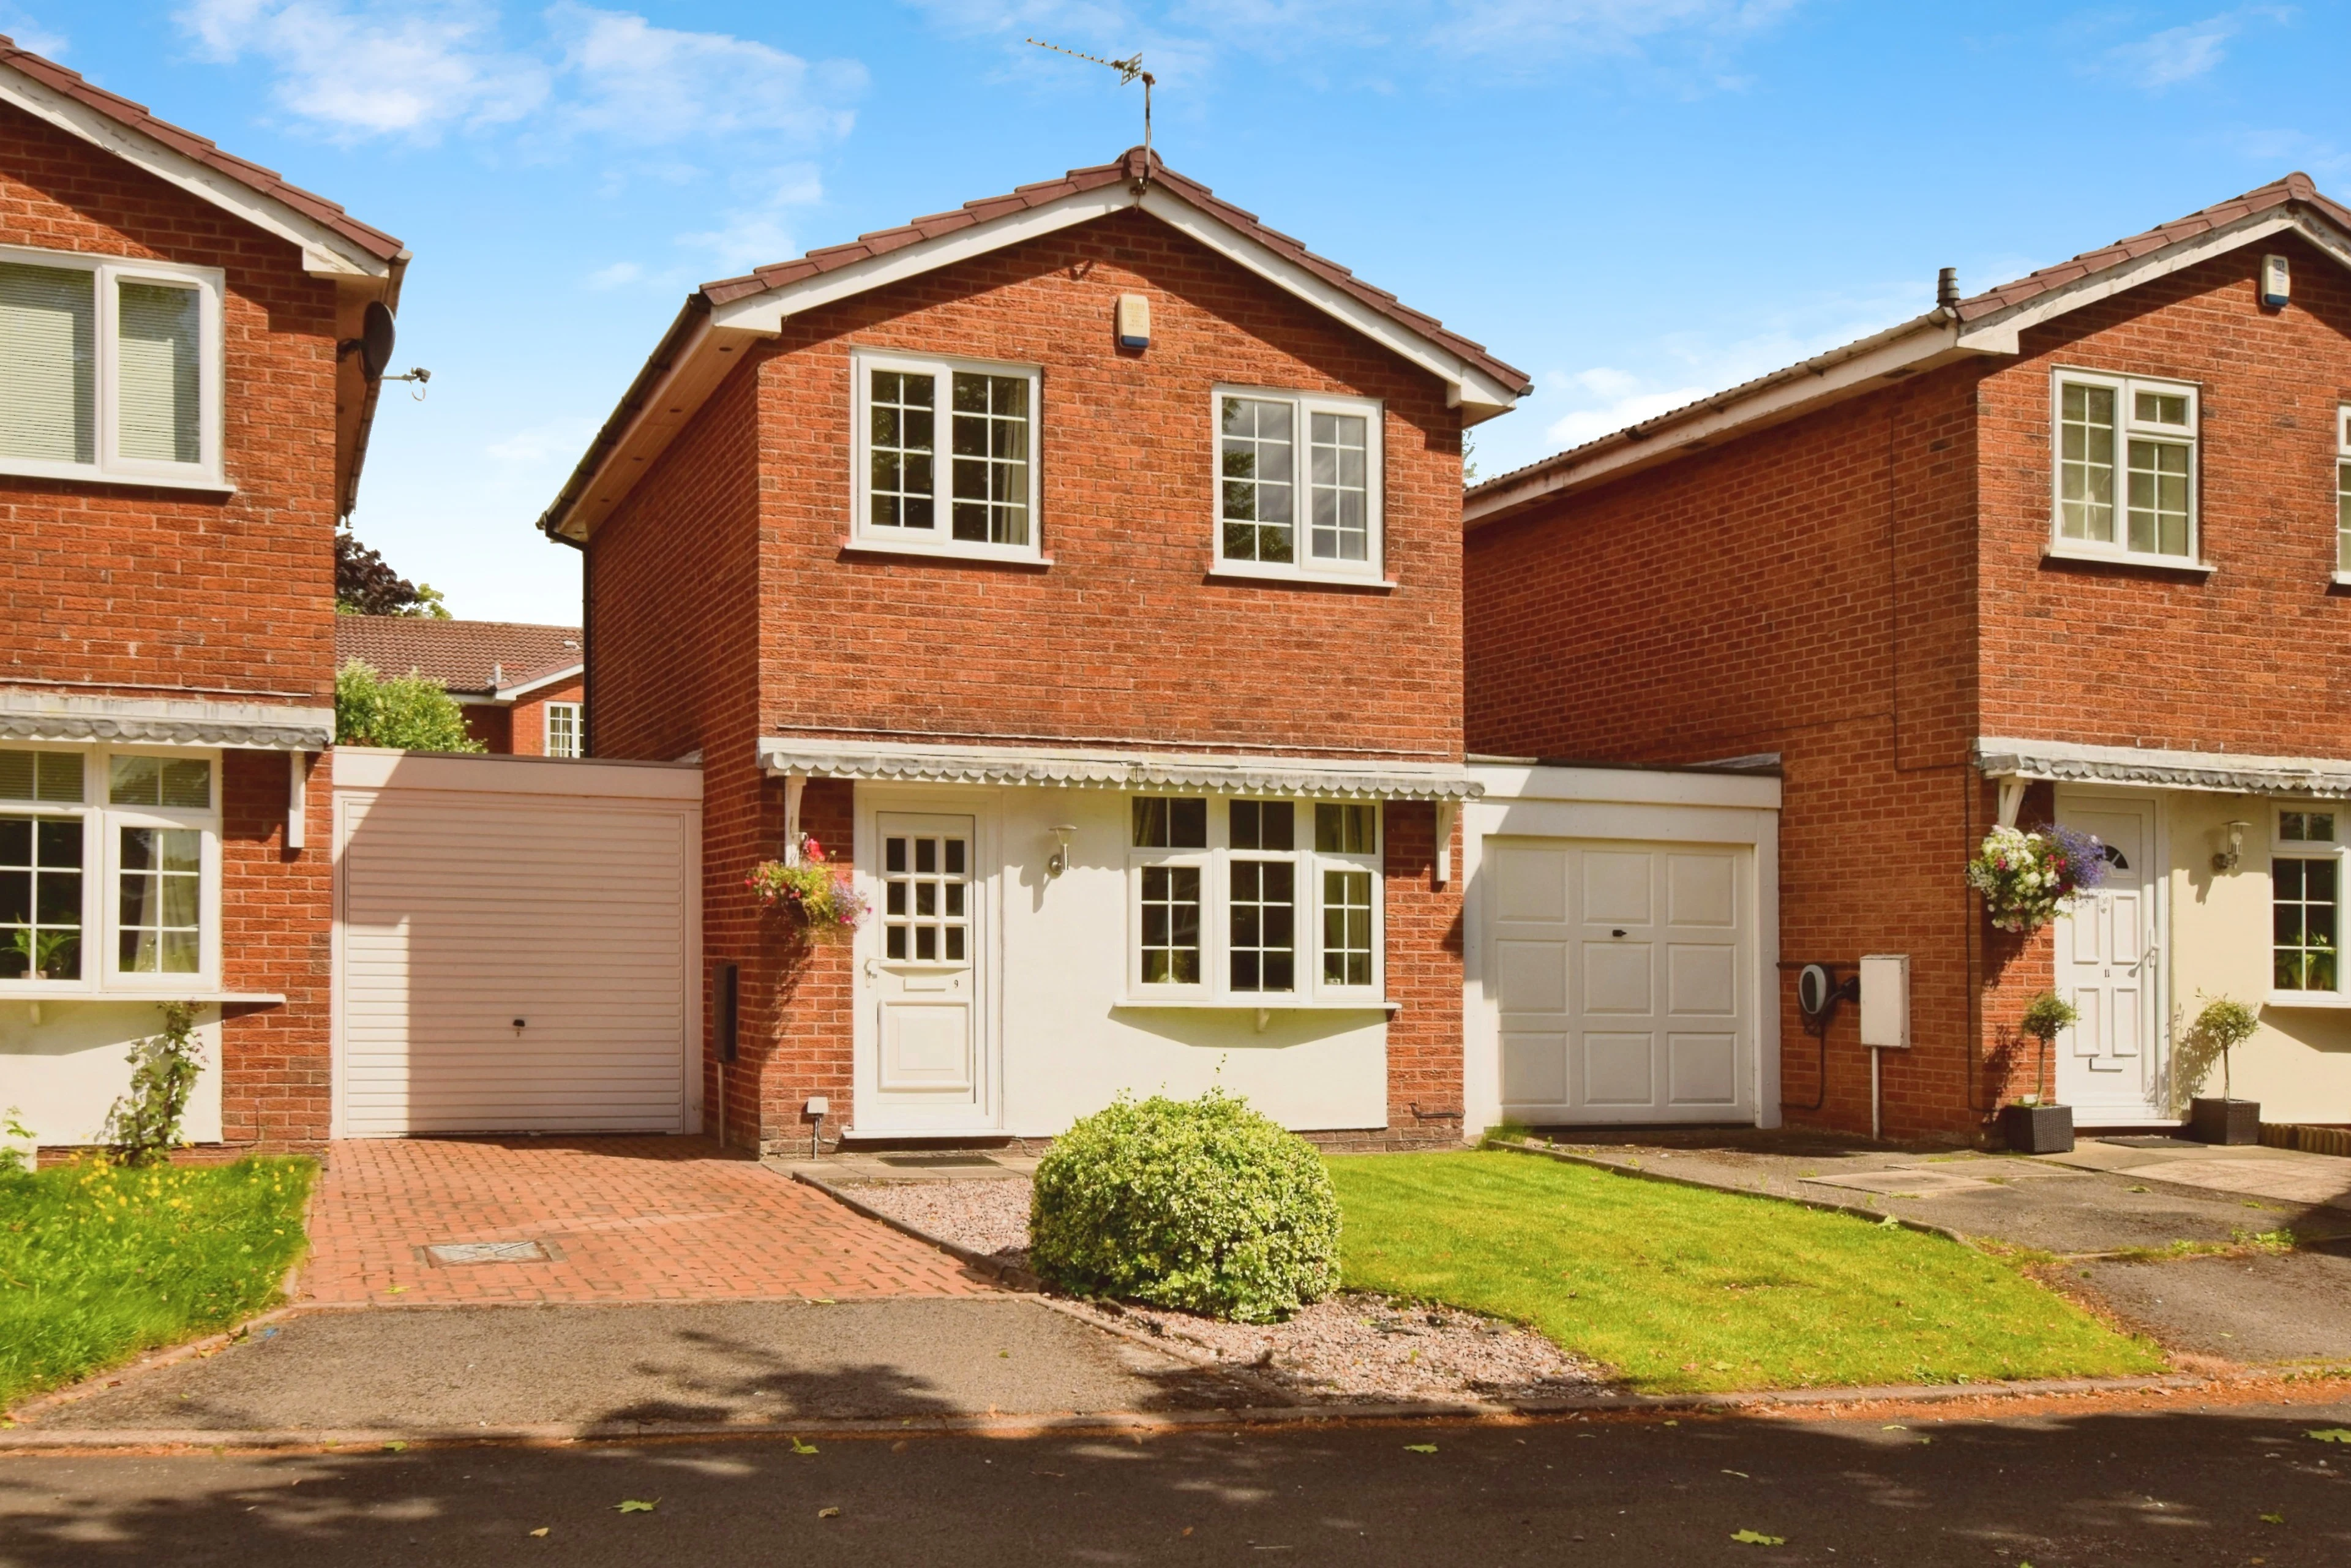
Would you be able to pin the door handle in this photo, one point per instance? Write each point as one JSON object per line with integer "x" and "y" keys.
{"x": 873, "y": 968}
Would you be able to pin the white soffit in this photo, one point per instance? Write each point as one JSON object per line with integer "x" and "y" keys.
{"x": 1333, "y": 777}
{"x": 325, "y": 254}
{"x": 2217, "y": 772}
{"x": 164, "y": 721}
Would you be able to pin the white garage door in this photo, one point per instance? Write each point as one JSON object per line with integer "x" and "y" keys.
{"x": 517, "y": 945}
{"x": 1622, "y": 973}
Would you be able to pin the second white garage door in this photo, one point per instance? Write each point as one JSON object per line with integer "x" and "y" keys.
{"x": 1622, "y": 975}
{"x": 517, "y": 944}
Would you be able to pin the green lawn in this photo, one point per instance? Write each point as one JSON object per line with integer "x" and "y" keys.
{"x": 1682, "y": 1290}
{"x": 101, "y": 1262}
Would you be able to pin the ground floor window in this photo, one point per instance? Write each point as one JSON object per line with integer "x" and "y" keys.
{"x": 109, "y": 866}
{"x": 1257, "y": 901}
{"x": 2306, "y": 883}
{"x": 562, "y": 737}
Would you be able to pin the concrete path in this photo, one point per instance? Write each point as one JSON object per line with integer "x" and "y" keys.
{"x": 763, "y": 1364}
{"x": 2289, "y": 1176}
{"x": 433, "y": 1221}
{"x": 2069, "y": 1485}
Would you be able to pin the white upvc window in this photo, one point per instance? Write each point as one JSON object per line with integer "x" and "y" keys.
{"x": 562, "y": 737}
{"x": 109, "y": 370}
{"x": 2306, "y": 905}
{"x": 109, "y": 870}
{"x": 2343, "y": 495}
{"x": 2125, "y": 469}
{"x": 1297, "y": 484}
{"x": 1254, "y": 903}
{"x": 945, "y": 456}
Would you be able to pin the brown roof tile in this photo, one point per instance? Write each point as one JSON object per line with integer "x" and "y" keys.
{"x": 461, "y": 654}
{"x": 188, "y": 144}
{"x": 1129, "y": 166}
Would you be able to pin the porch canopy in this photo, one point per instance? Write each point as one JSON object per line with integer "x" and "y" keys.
{"x": 2217, "y": 772}
{"x": 60, "y": 715}
{"x": 1321, "y": 777}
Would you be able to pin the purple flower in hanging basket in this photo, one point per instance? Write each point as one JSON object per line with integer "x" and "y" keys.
{"x": 2079, "y": 859}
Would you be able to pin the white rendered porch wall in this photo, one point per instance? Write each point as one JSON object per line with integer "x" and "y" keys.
{"x": 1638, "y": 806}
{"x": 1063, "y": 1042}
{"x": 63, "y": 1075}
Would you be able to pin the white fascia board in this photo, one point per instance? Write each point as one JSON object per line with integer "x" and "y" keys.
{"x": 2001, "y": 333}
{"x": 692, "y": 376}
{"x": 1921, "y": 349}
{"x": 554, "y": 677}
{"x": 765, "y": 313}
{"x": 1507, "y": 782}
{"x": 325, "y": 254}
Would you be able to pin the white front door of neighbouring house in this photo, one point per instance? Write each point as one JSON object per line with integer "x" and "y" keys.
{"x": 1619, "y": 971}
{"x": 924, "y": 979}
{"x": 2109, "y": 966}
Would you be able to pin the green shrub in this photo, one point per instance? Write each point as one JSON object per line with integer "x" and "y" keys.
{"x": 1201, "y": 1205}
{"x": 406, "y": 713}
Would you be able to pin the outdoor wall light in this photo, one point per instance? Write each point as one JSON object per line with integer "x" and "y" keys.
{"x": 2227, "y": 859}
{"x": 1061, "y": 861}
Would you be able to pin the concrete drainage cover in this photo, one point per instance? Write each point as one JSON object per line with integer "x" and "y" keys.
{"x": 449, "y": 1252}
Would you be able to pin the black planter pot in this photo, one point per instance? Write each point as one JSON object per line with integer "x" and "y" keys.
{"x": 2038, "y": 1129}
{"x": 2224, "y": 1121}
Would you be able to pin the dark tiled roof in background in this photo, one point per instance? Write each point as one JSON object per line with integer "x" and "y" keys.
{"x": 1129, "y": 167}
{"x": 460, "y": 654}
{"x": 187, "y": 144}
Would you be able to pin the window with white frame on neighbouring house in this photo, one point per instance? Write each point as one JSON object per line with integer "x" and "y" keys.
{"x": 946, "y": 455}
{"x": 2125, "y": 466}
{"x": 2306, "y": 897}
{"x": 562, "y": 729}
{"x": 109, "y": 868}
{"x": 2342, "y": 492}
{"x": 1298, "y": 485}
{"x": 109, "y": 368}
{"x": 1255, "y": 902}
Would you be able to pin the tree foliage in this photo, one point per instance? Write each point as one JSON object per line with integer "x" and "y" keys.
{"x": 365, "y": 584}
{"x": 406, "y": 713}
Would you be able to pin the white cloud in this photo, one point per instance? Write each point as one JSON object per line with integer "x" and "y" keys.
{"x": 1517, "y": 28}
{"x": 757, "y": 231}
{"x": 2184, "y": 53}
{"x": 648, "y": 84}
{"x": 617, "y": 275}
{"x": 1628, "y": 406}
{"x": 534, "y": 447}
{"x": 31, "y": 35}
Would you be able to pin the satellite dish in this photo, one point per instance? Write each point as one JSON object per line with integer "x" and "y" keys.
{"x": 375, "y": 340}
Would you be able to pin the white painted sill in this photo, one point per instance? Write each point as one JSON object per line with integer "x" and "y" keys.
{"x": 2171, "y": 563}
{"x": 2343, "y": 580}
{"x": 952, "y": 550}
{"x": 2306, "y": 999}
{"x": 1247, "y": 572}
{"x": 1245, "y": 1005}
{"x": 92, "y": 473}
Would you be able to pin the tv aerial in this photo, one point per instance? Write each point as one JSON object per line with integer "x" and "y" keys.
{"x": 1129, "y": 70}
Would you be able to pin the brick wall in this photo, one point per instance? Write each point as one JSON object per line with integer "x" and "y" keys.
{"x": 527, "y": 718}
{"x": 491, "y": 725}
{"x": 1424, "y": 973}
{"x": 276, "y": 907}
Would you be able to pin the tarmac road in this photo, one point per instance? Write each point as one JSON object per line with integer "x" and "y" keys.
{"x": 2182, "y": 1485}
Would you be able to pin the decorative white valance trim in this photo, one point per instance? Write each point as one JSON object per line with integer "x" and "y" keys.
{"x": 1335, "y": 777}
{"x": 2219, "y": 772}
{"x": 164, "y": 721}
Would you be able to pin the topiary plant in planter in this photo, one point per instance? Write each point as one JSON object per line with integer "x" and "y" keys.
{"x": 2030, "y": 1126}
{"x": 1201, "y": 1205}
{"x": 2223, "y": 1025}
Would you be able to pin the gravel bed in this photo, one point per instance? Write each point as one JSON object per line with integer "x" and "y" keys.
{"x": 1354, "y": 1346}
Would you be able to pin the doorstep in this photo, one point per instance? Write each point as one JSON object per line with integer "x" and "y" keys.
{"x": 907, "y": 1165}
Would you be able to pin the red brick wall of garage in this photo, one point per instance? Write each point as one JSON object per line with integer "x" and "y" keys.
{"x": 672, "y": 597}
{"x": 1806, "y": 591}
{"x": 527, "y": 718}
{"x": 491, "y": 725}
{"x": 145, "y": 592}
{"x": 1424, "y": 973}
{"x": 137, "y": 588}
{"x": 2256, "y": 657}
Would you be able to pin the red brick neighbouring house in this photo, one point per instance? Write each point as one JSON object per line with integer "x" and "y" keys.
{"x": 521, "y": 685}
{"x": 2078, "y": 549}
{"x": 184, "y": 411}
{"x": 1082, "y": 570}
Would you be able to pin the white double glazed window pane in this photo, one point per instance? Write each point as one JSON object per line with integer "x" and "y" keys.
{"x": 1339, "y": 456}
{"x": 2343, "y": 517}
{"x": 159, "y": 923}
{"x": 991, "y": 458}
{"x": 182, "y": 783}
{"x": 2086, "y": 463}
{"x": 926, "y": 895}
{"x": 159, "y": 377}
{"x": 40, "y": 897}
{"x": 49, "y": 363}
{"x": 2159, "y": 480}
{"x": 902, "y": 449}
{"x": 1256, "y": 465}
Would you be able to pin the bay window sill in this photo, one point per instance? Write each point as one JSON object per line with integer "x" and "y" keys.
{"x": 2171, "y": 564}
{"x": 1254, "y": 1005}
{"x": 2306, "y": 999}
{"x": 196, "y": 994}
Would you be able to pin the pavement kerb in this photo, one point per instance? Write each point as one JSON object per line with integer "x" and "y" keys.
{"x": 1638, "y": 1173}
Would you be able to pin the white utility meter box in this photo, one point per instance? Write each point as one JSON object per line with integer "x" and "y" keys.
{"x": 1886, "y": 1000}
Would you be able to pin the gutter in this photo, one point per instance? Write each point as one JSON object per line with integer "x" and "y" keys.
{"x": 349, "y": 501}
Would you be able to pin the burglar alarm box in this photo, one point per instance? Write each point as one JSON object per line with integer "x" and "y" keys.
{"x": 1886, "y": 1000}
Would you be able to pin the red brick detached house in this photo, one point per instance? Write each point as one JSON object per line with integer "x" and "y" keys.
{"x": 2077, "y": 548}
{"x": 180, "y": 427}
{"x": 1080, "y": 571}
{"x": 521, "y": 685}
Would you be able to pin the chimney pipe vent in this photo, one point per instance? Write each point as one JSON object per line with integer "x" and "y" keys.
{"x": 1947, "y": 287}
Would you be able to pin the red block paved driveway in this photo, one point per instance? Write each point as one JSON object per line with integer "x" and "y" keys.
{"x": 626, "y": 1220}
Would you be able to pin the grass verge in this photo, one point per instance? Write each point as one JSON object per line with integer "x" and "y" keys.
{"x": 99, "y": 1262}
{"x": 1683, "y": 1290}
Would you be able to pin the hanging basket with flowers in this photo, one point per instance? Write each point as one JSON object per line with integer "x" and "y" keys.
{"x": 815, "y": 893}
{"x": 2025, "y": 877}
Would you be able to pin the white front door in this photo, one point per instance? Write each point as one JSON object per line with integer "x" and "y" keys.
{"x": 930, "y": 1061}
{"x": 2109, "y": 1065}
{"x": 1617, "y": 971}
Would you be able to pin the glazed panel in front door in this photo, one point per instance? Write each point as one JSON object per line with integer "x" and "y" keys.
{"x": 2107, "y": 966}
{"x": 924, "y": 977}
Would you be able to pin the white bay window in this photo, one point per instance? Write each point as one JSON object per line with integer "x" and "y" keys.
{"x": 2125, "y": 469}
{"x": 2306, "y": 908}
{"x": 109, "y": 370}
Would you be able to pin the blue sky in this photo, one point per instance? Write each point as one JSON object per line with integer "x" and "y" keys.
{"x": 1637, "y": 201}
